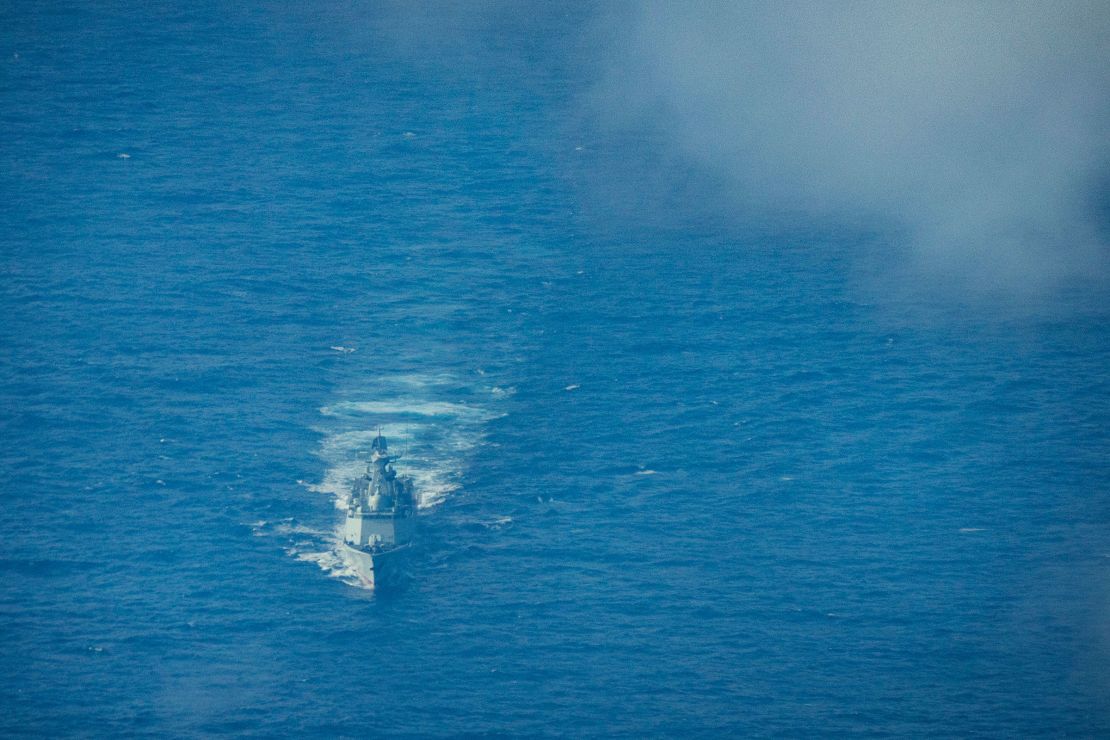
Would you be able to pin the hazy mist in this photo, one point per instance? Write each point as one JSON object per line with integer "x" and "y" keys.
{"x": 973, "y": 135}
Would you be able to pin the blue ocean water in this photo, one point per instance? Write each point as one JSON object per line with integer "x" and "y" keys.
{"x": 680, "y": 477}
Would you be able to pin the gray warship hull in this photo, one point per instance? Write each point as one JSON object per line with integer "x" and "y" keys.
{"x": 380, "y": 523}
{"x": 382, "y": 569}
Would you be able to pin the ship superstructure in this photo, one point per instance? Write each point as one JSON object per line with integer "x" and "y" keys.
{"x": 380, "y": 519}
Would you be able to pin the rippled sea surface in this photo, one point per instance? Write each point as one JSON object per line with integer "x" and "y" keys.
{"x": 678, "y": 478}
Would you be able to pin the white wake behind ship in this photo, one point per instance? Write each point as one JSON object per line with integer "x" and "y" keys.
{"x": 380, "y": 523}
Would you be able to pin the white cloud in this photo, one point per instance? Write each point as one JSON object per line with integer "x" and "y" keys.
{"x": 979, "y": 132}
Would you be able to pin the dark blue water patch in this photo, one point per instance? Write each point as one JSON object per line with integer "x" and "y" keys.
{"x": 45, "y": 568}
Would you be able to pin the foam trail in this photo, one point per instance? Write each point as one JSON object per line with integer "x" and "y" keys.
{"x": 425, "y": 422}
{"x": 403, "y": 408}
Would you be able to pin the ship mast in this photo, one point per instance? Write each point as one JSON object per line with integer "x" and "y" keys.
{"x": 381, "y": 492}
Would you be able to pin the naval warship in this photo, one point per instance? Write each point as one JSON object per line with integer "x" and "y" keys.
{"x": 381, "y": 510}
